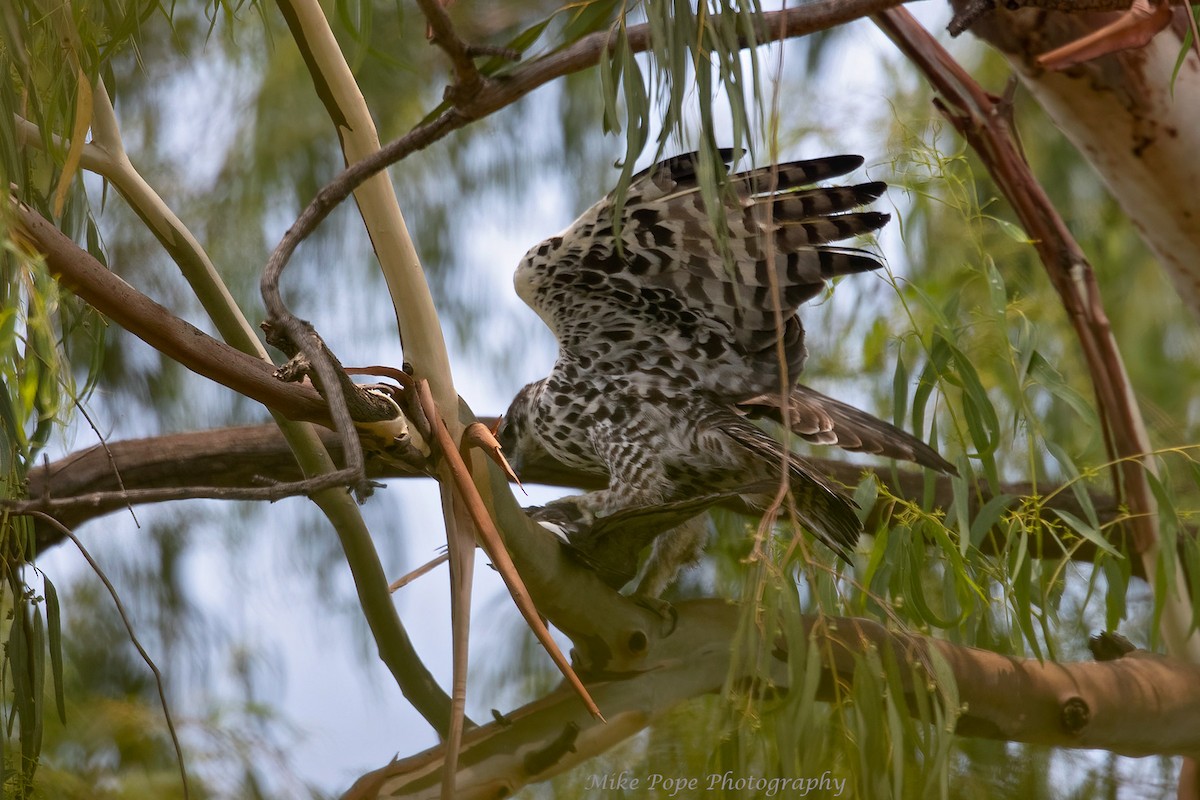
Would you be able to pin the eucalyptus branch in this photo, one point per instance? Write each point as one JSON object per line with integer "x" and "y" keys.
{"x": 101, "y": 502}
{"x": 974, "y": 113}
{"x": 1070, "y": 705}
{"x": 82, "y": 486}
{"x": 158, "y": 327}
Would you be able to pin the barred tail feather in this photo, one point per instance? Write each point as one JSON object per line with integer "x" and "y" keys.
{"x": 821, "y": 506}
{"x": 820, "y": 419}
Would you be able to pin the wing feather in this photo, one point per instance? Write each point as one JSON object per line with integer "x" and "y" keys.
{"x": 821, "y": 506}
{"x": 820, "y": 419}
{"x": 669, "y": 275}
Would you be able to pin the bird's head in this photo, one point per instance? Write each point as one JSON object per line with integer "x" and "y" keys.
{"x": 515, "y": 431}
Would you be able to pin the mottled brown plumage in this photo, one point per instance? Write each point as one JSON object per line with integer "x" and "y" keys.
{"x": 667, "y": 344}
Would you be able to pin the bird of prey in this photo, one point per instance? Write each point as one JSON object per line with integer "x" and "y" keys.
{"x": 669, "y": 344}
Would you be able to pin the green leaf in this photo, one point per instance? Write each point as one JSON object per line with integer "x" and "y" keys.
{"x": 988, "y": 516}
{"x": 1022, "y": 585}
{"x": 54, "y": 629}
{"x": 1012, "y": 231}
{"x": 1168, "y": 529}
{"x": 1117, "y": 573}
{"x": 1075, "y": 482}
{"x": 995, "y": 283}
{"x": 589, "y": 17}
{"x": 1087, "y": 531}
{"x": 916, "y": 590}
{"x": 1046, "y": 376}
{"x": 37, "y": 653}
{"x": 1184, "y": 49}
{"x": 900, "y": 390}
{"x": 962, "y": 511}
{"x": 939, "y": 356}
{"x": 982, "y": 421}
{"x": 866, "y": 494}
{"x": 610, "y": 79}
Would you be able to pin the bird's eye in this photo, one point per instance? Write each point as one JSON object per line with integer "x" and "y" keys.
{"x": 506, "y": 434}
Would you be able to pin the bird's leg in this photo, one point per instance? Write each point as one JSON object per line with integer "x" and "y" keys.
{"x": 673, "y": 550}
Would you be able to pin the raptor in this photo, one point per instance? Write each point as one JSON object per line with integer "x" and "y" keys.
{"x": 670, "y": 342}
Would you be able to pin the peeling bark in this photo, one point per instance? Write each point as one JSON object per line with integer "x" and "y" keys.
{"x": 1139, "y": 131}
{"x": 1139, "y": 705}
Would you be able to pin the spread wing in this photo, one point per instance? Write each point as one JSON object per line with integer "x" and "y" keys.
{"x": 671, "y": 285}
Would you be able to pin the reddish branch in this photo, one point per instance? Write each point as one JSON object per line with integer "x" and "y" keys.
{"x": 158, "y": 327}
{"x": 984, "y": 124}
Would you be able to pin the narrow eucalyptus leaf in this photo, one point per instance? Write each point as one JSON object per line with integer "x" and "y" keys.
{"x": 54, "y": 630}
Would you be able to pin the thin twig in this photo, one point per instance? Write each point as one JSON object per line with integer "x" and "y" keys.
{"x": 158, "y": 682}
{"x": 303, "y": 337}
{"x": 105, "y": 500}
{"x": 112, "y": 462}
{"x": 425, "y": 568}
{"x": 468, "y": 81}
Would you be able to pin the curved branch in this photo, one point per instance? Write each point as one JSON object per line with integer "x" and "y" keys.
{"x": 158, "y": 327}
{"x": 495, "y": 93}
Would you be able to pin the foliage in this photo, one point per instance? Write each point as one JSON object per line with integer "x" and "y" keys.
{"x": 968, "y": 347}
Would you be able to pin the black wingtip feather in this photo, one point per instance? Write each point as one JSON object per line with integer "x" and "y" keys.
{"x": 865, "y": 221}
{"x": 870, "y": 191}
{"x": 682, "y": 168}
{"x": 803, "y": 173}
{"x": 838, "y": 261}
